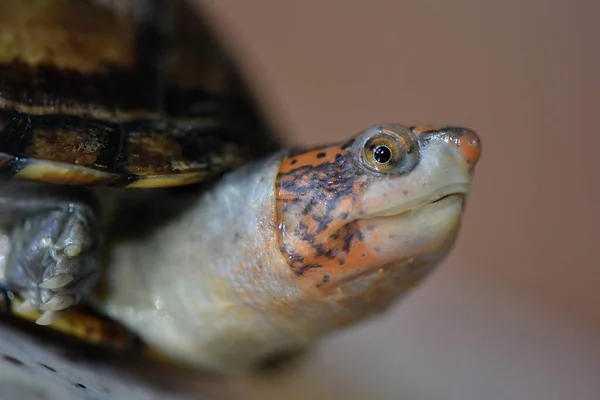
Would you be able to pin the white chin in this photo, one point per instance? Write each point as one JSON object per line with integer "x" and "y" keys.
{"x": 426, "y": 230}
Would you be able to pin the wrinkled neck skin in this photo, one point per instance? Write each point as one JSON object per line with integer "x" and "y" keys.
{"x": 202, "y": 289}
{"x": 218, "y": 289}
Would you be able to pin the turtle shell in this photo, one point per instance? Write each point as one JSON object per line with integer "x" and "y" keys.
{"x": 92, "y": 95}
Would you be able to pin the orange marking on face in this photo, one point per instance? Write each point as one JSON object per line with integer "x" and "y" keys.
{"x": 333, "y": 273}
{"x": 311, "y": 158}
{"x": 314, "y": 207}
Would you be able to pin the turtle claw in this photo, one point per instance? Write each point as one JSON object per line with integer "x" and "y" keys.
{"x": 27, "y": 307}
{"x": 73, "y": 250}
{"x": 58, "y": 303}
{"x": 57, "y": 281}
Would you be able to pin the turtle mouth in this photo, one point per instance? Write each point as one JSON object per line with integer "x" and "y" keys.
{"x": 459, "y": 189}
{"x": 446, "y": 196}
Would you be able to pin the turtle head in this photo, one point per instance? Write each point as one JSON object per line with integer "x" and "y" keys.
{"x": 370, "y": 217}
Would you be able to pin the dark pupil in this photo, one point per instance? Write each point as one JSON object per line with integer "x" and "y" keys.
{"x": 382, "y": 154}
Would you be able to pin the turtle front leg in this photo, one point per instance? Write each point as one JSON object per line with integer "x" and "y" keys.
{"x": 54, "y": 233}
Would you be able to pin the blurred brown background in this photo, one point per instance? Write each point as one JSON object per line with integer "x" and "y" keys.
{"x": 513, "y": 313}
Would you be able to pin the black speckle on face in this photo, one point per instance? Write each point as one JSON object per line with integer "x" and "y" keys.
{"x": 294, "y": 161}
{"x": 49, "y": 368}
{"x": 80, "y": 386}
{"x": 359, "y": 235}
{"x": 348, "y": 241}
{"x": 325, "y": 278}
{"x": 321, "y": 155}
{"x": 304, "y": 268}
{"x": 324, "y": 221}
{"x": 12, "y": 360}
{"x": 309, "y": 206}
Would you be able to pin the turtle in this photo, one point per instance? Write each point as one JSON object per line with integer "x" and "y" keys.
{"x": 145, "y": 193}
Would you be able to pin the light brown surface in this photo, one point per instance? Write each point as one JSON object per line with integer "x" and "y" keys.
{"x": 513, "y": 313}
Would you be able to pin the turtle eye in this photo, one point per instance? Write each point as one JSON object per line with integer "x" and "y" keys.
{"x": 389, "y": 149}
{"x": 382, "y": 154}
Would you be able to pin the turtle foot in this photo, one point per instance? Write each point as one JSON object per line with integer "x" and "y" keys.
{"x": 54, "y": 262}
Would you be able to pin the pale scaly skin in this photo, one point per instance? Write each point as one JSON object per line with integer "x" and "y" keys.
{"x": 248, "y": 272}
